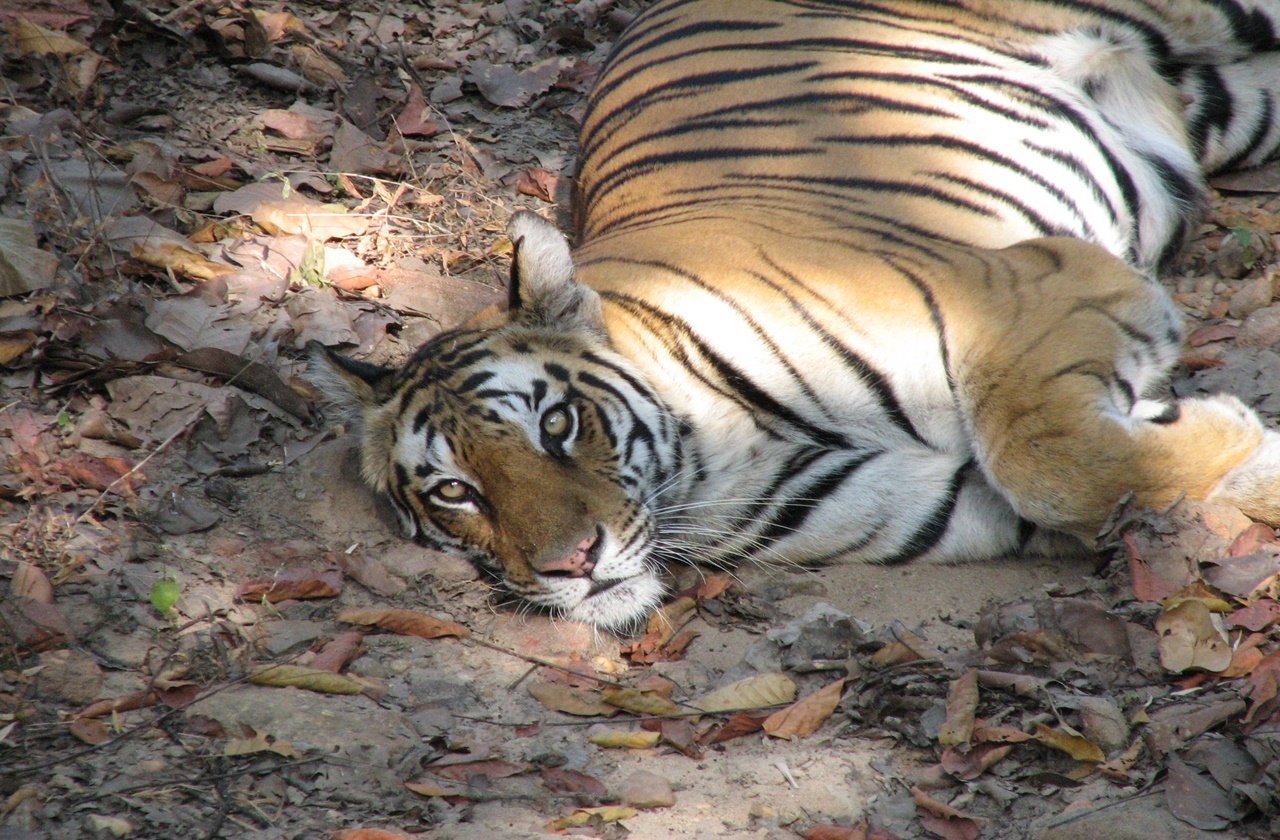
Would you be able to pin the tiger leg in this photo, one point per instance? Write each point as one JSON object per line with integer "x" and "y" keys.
{"x": 1055, "y": 386}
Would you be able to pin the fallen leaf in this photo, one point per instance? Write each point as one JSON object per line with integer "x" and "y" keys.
{"x": 404, "y": 622}
{"x": 571, "y": 701}
{"x": 338, "y": 653}
{"x": 941, "y": 819}
{"x": 538, "y": 183}
{"x": 1076, "y": 746}
{"x": 639, "y": 702}
{"x": 1243, "y": 575}
{"x": 32, "y": 39}
{"x": 962, "y": 705}
{"x": 490, "y": 768}
{"x": 291, "y": 584}
{"x": 506, "y": 87}
{"x": 1117, "y": 769}
{"x": 90, "y": 730}
{"x": 129, "y": 702}
{"x": 299, "y": 676}
{"x": 1245, "y": 656}
{"x": 24, "y": 267}
{"x": 30, "y": 581}
{"x": 258, "y": 742}
{"x": 969, "y": 764}
{"x": 803, "y": 717}
{"x": 770, "y": 689}
{"x": 428, "y": 789}
{"x": 1192, "y": 637}
{"x": 583, "y": 816}
{"x": 1256, "y": 616}
{"x": 1262, "y": 685}
{"x": 369, "y": 833}
{"x": 1196, "y": 799}
{"x": 737, "y": 725}
{"x": 637, "y": 740}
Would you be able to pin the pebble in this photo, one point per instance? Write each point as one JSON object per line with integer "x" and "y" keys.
{"x": 643, "y": 789}
{"x": 1260, "y": 329}
{"x": 69, "y": 675}
{"x": 1252, "y": 296}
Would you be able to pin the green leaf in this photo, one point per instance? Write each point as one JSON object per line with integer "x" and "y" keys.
{"x": 164, "y": 594}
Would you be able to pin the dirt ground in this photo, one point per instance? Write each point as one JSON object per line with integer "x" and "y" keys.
{"x": 191, "y": 192}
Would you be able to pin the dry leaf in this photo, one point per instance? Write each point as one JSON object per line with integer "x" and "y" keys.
{"x": 179, "y": 259}
{"x": 640, "y": 701}
{"x": 969, "y": 764}
{"x": 404, "y": 622}
{"x": 428, "y": 789}
{"x": 738, "y": 724}
{"x": 30, "y": 581}
{"x": 582, "y": 816}
{"x": 490, "y": 768}
{"x": 803, "y": 717}
{"x": 941, "y": 819}
{"x": 771, "y": 689}
{"x": 299, "y": 214}
{"x": 1192, "y": 637}
{"x": 90, "y": 730}
{"x": 962, "y": 705}
{"x": 257, "y": 742}
{"x": 1257, "y": 616}
{"x": 299, "y": 676}
{"x": 370, "y": 833}
{"x": 1076, "y": 746}
{"x": 638, "y": 740}
{"x": 291, "y": 584}
{"x": 32, "y": 39}
{"x": 571, "y": 701}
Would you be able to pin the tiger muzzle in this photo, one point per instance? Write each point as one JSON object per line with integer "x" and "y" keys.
{"x": 579, "y": 562}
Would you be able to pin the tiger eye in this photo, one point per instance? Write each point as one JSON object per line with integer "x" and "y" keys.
{"x": 556, "y": 422}
{"x": 452, "y": 491}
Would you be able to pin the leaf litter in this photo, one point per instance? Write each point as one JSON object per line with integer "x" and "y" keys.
{"x": 256, "y": 180}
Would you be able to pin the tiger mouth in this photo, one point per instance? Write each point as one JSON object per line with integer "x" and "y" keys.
{"x": 599, "y": 587}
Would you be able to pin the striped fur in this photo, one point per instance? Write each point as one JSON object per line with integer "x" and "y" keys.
{"x": 855, "y": 280}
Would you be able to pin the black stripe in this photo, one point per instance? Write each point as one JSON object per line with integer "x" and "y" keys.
{"x": 791, "y": 515}
{"x": 932, "y": 530}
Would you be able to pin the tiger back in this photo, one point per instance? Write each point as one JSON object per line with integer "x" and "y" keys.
{"x": 868, "y": 283}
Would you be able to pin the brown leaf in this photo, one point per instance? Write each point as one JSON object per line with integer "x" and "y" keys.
{"x": 585, "y": 816}
{"x": 1243, "y": 575}
{"x": 370, "y": 833}
{"x": 1263, "y": 684}
{"x": 129, "y": 702}
{"x": 969, "y": 764}
{"x": 1192, "y": 637}
{"x": 962, "y": 705}
{"x": 506, "y": 87}
{"x": 490, "y": 768}
{"x": 30, "y": 581}
{"x": 293, "y": 584}
{"x": 430, "y": 789}
{"x": 1197, "y": 799}
{"x": 803, "y": 717}
{"x": 538, "y": 183}
{"x": 338, "y": 653}
{"x": 90, "y": 730}
{"x": 1212, "y": 332}
{"x": 639, "y": 702}
{"x": 404, "y": 622}
{"x": 258, "y": 742}
{"x": 372, "y": 574}
{"x": 1259, "y": 615}
{"x": 34, "y": 625}
{"x": 1076, "y": 746}
{"x": 1253, "y": 539}
{"x": 299, "y": 676}
{"x": 769, "y": 689}
{"x": 571, "y": 701}
{"x": 414, "y": 120}
{"x": 942, "y": 819}
{"x": 737, "y": 725}
{"x": 638, "y": 740}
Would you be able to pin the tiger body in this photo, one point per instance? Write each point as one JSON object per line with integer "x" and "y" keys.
{"x": 862, "y": 281}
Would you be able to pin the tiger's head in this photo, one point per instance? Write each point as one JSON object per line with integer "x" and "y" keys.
{"x": 523, "y": 441}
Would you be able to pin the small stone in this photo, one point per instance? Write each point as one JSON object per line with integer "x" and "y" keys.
{"x": 1252, "y": 296}
{"x": 643, "y": 789}
{"x": 1239, "y": 253}
{"x": 1260, "y": 329}
{"x": 69, "y": 675}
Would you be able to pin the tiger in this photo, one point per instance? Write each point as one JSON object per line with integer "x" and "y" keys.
{"x": 872, "y": 281}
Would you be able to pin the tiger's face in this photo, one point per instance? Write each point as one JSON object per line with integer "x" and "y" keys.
{"x": 523, "y": 442}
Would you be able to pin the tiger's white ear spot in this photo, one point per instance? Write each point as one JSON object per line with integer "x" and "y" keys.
{"x": 543, "y": 289}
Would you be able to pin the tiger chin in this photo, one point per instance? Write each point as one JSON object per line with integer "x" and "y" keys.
{"x": 869, "y": 284}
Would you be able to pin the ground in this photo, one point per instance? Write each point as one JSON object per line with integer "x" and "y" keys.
{"x": 198, "y": 633}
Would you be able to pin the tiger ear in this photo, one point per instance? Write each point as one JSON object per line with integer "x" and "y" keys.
{"x": 351, "y": 386}
{"x": 543, "y": 291}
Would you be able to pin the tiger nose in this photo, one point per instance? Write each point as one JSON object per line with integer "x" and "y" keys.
{"x": 577, "y": 563}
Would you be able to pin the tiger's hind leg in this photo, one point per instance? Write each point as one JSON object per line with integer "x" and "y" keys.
{"x": 1055, "y": 364}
